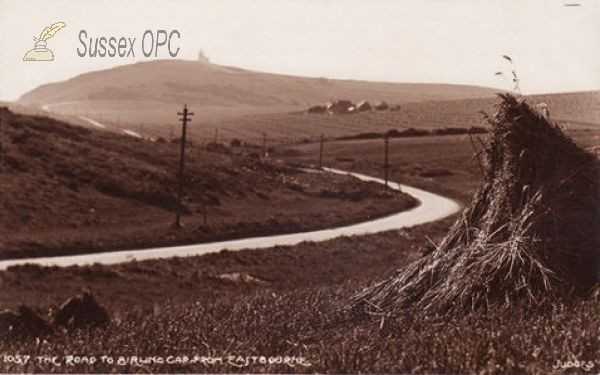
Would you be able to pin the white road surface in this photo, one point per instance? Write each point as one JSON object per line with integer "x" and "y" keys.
{"x": 432, "y": 207}
{"x": 93, "y": 122}
{"x": 132, "y": 133}
{"x": 48, "y": 108}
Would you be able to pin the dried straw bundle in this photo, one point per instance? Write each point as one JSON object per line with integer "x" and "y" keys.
{"x": 530, "y": 235}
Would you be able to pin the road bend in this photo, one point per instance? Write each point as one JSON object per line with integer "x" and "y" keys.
{"x": 431, "y": 207}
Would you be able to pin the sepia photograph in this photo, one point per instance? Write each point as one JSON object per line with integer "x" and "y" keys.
{"x": 300, "y": 187}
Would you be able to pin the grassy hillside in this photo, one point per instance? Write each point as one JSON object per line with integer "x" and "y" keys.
{"x": 214, "y": 85}
{"x": 68, "y": 189}
{"x": 152, "y": 92}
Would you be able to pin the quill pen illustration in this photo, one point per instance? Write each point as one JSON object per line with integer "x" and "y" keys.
{"x": 50, "y": 31}
{"x": 40, "y": 52}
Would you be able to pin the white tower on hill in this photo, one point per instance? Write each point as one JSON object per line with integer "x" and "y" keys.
{"x": 202, "y": 58}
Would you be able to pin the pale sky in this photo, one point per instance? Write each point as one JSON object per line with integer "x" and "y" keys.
{"x": 556, "y": 48}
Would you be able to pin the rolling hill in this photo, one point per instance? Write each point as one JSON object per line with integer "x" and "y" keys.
{"x": 209, "y": 84}
{"x": 149, "y": 92}
{"x": 231, "y": 103}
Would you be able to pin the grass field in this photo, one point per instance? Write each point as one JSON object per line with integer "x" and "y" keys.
{"x": 444, "y": 164}
{"x": 186, "y": 308}
{"x": 580, "y": 110}
{"x": 449, "y": 164}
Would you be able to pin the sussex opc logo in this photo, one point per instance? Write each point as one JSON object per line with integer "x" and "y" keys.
{"x": 40, "y": 52}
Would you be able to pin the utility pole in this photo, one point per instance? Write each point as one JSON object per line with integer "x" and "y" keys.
{"x": 184, "y": 120}
{"x": 321, "y": 151}
{"x": 265, "y": 144}
{"x": 216, "y": 135}
{"x": 386, "y": 165}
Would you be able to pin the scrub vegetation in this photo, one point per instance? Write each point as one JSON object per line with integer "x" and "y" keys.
{"x": 69, "y": 190}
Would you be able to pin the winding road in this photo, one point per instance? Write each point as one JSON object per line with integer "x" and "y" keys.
{"x": 47, "y": 108}
{"x": 432, "y": 207}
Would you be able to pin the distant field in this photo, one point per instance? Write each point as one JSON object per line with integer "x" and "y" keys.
{"x": 448, "y": 165}
{"x": 286, "y": 123}
{"x": 443, "y": 164}
{"x": 581, "y": 110}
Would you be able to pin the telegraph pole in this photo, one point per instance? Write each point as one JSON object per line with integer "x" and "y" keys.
{"x": 321, "y": 151}
{"x": 184, "y": 120}
{"x": 265, "y": 144}
{"x": 386, "y": 165}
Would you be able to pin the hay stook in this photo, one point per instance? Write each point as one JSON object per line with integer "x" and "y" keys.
{"x": 530, "y": 235}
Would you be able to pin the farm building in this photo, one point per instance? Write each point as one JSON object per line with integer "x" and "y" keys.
{"x": 382, "y": 106}
{"x": 339, "y": 107}
{"x": 363, "y": 106}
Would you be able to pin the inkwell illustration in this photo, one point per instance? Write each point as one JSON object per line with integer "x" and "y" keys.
{"x": 40, "y": 52}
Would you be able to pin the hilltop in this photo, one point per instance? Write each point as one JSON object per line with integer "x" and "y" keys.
{"x": 209, "y": 84}
{"x": 157, "y": 88}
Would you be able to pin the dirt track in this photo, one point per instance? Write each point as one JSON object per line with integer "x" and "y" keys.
{"x": 432, "y": 207}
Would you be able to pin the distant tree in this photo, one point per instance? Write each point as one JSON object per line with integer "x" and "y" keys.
{"x": 317, "y": 109}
